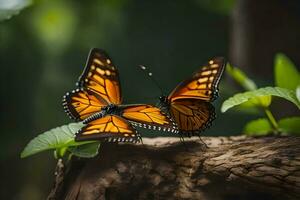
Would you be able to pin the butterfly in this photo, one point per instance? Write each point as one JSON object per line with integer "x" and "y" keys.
{"x": 97, "y": 102}
{"x": 189, "y": 104}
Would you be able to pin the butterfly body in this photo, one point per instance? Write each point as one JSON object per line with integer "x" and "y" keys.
{"x": 164, "y": 103}
{"x": 110, "y": 109}
{"x": 189, "y": 104}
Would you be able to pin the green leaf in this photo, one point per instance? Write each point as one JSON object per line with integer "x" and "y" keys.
{"x": 246, "y": 96}
{"x": 240, "y": 77}
{"x": 298, "y": 93}
{"x": 286, "y": 74}
{"x": 85, "y": 150}
{"x": 57, "y": 138}
{"x": 263, "y": 101}
{"x": 8, "y": 8}
{"x": 258, "y": 127}
{"x": 290, "y": 125}
{"x": 247, "y": 108}
{"x": 252, "y": 106}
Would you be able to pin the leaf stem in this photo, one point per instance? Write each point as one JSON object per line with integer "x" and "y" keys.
{"x": 272, "y": 119}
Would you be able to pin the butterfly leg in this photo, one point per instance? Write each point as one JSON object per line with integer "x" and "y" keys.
{"x": 183, "y": 142}
{"x": 140, "y": 139}
{"x": 203, "y": 142}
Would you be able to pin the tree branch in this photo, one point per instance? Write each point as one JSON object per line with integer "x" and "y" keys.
{"x": 165, "y": 168}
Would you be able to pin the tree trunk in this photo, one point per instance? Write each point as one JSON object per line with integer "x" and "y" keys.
{"x": 166, "y": 168}
{"x": 260, "y": 29}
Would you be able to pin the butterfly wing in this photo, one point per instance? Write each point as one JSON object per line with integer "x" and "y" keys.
{"x": 80, "y": 104}
{"x": 101, "y": 77}
{"x": 203, "y": 84}
{"x": 148, "y": 116}
{"x": 108, "y": 128}
{"x": 192, "y": 116}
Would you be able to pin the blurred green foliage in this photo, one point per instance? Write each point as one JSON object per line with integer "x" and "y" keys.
{"x": 298, "y": 93}
{"x": 241, "y": 77}
{"x": 258, "y": 127}
{"x": 53, "y": 24}
{"x": 8, "y": 8}
{"x": 286, "y": 73}
{"x": 218, "y": 6}
{"x": 289, "y": 125}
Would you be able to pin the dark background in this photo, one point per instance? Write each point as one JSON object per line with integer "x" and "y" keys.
{"x": 43, "y": 51}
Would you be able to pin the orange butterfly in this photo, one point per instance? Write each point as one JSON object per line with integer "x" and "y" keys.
{"x": 97, "y": 102}
{"x": 189, "y": 103}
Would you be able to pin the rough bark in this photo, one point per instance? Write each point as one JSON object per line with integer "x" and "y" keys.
{"x": 166, "y": 168}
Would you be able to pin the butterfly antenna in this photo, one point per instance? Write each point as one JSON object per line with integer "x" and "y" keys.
{"x": 150, "y": 75}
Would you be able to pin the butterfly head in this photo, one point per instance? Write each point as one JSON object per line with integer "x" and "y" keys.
{"x": 163, "y": 101}
{"x": 110, "y": 109}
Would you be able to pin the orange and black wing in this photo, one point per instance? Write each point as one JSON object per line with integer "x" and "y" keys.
{"x": 101, "y": 77}
{"x": 80, "y": 104}
{"x": 203, "y": 84}
{"x": 192, "y": 116}
{"x": 110, "y": 128}
{"x": 148, "y": 116}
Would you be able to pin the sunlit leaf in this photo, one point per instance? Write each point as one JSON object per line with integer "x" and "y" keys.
{"x": 85, "y": 150}
{"x": 290, "y": 125}
{"x": 286, "y": 74}
{"x": 247, "y": 108}
{"x": 56, "y": 138}
{"x": 246, "y": 96}
{"x": 8, "y": 8}
{"x": 298, "y": 93}
{"x": 258, "y": 127}
{"x": 263, "y": 101}
{"x": 253, "y": 105}
{"x": 240, "y": 77}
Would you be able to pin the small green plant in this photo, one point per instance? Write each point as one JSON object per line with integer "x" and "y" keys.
{"x": 61, "y": 140}
{"x": 287, "y": 86}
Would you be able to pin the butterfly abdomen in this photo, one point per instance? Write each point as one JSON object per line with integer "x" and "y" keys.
{"x": 106, "y": 110}
{"x": 95, "y": 116}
